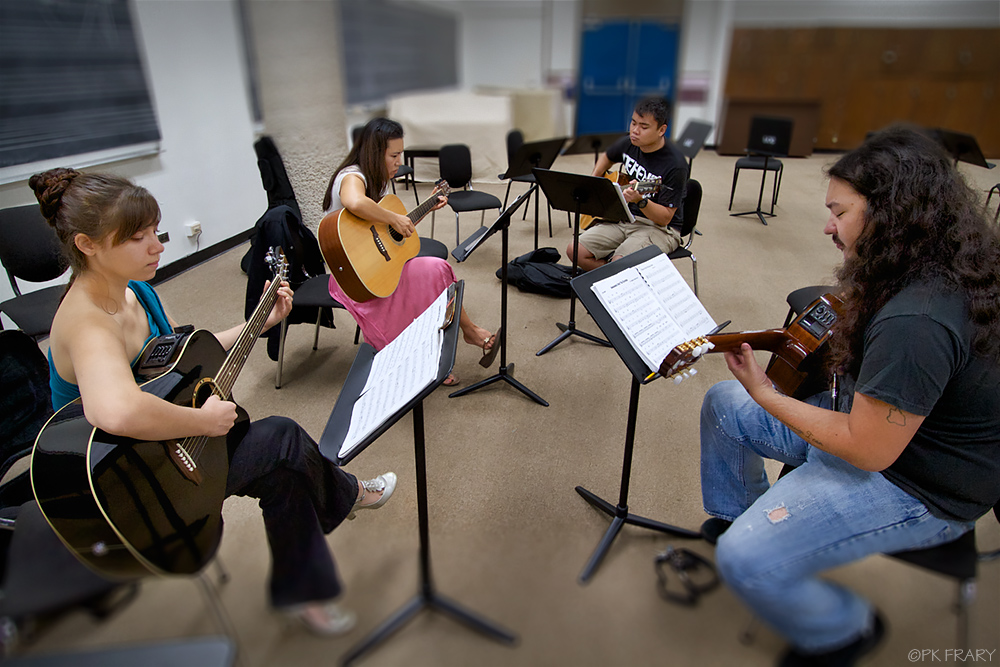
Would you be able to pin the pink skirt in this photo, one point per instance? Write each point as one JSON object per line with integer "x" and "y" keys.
{"x": 381, "y": 320}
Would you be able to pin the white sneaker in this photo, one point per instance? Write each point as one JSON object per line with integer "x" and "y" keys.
{"x": 326, "y": 619}
{"x": 384, "y": 483}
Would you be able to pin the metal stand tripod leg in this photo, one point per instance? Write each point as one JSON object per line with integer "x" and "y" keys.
{"x": 569, "y": 329}
{"x": 427, "y": 598}
{"x": 620, "y": 513}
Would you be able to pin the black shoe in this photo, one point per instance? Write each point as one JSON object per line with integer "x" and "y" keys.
{"x": 845, "y": 656}
{"x": 712, "y": 528}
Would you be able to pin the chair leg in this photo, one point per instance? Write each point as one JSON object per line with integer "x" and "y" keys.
{"x": 281, "y": 353}
{"x": 413, "y": 181}
{"x": 966, "y": 596}
{"x": 736, "y": 175}
{"x": 219, "y": 612}
{"x": 457, "y": 239}
{"x": 548, "y": 207}
{"x": 527, "y": 205}
{"x": 319, "y": 316}
{"x": 694, "y": 274}
{"x": 777, "y": 182}
{"x": 357, "y": 333}
{"x": 506, "y": 195}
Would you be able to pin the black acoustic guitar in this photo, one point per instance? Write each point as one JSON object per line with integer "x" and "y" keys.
{"x": 128, "y": 507}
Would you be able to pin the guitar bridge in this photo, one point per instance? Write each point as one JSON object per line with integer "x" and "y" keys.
{"x": 184, "y": 462}
{"x": 379, "y": 244}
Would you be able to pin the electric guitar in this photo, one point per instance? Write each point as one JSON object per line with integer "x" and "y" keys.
{"x": 366, "y": 257}
{"x": 647, "y": 187}
{"x": 797, "y": 349}
{"x": 128, "y": 507}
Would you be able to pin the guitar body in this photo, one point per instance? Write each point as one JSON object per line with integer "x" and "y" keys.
{"x": 797, "y": 350}
{"x": 128, "y": 507}
{"x": 366, "y": 258}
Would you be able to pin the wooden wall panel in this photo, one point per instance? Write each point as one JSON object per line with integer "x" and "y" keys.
{"x": 865, "y": 79}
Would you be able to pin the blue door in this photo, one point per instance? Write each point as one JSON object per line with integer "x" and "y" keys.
{"x": 622, "y": 62}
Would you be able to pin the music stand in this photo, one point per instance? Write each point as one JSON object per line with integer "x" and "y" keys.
{"x": 535, "y": 154}
{"x": 592, "y": 143}
{"x": 640, "y": 375}
{"x": 461, "y": 253}
{"x": 963, "y": 147}
{"x": 769, "y": 137}
{"x": 692, "y": 140}
{"x": 590, "y": 195}
{"x": 329, "y": 444}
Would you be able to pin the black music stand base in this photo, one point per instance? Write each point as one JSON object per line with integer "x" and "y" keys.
{"x": 506, "y": 374}
{"x": 568, "y": 330}
{"x": 427, "y": 598}
{"x": 621, "y": 517}
{"x": 620, "y": 512}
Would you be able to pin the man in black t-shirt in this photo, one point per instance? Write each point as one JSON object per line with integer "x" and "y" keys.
{"x": 645, "y": 155}
{"x": 908, "y": 455}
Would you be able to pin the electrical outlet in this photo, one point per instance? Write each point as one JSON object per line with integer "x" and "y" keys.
{"x": 193, "y": 228}
{"x": 162, "y": 237}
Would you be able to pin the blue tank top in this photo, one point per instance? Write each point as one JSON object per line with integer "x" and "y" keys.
{"x": 63, "y": 392}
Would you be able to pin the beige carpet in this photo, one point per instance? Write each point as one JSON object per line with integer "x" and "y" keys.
{"x": 509, "y": 535}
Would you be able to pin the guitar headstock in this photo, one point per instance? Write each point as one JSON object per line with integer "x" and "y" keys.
{"x": 682, "y": 357}
{"x": 276, "y": 261}
{"x": 441, "y": 188}
{"x": 649, "y": 186}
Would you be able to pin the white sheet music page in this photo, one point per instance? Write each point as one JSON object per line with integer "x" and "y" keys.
{"x": 399, "y": 371}
{"x": 654, "y": 307}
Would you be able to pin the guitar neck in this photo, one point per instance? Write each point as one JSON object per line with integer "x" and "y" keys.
{"x": 225, "y": 379}
{"x": 423, "y": 208}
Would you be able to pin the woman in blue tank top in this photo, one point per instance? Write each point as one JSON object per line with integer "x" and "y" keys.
{"x": 108, "y": 229}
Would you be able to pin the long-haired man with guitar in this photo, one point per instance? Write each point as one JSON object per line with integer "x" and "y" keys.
{"x": 906, "y": 452}
{"x": 357, "y": 187}
{"x": 645, "y": 155}
{"x": 108, "y": 316}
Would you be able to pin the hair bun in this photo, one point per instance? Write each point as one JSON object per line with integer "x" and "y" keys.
{"x": 49, "y": 187}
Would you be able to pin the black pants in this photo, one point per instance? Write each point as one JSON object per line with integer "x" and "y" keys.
{"x": 303, "y": 497}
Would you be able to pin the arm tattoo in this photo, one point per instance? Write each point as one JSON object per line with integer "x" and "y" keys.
{"x": 807, "y": 436}
{"x": 896, "y": 416}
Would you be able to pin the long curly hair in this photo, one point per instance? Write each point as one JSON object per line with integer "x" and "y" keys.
{"x": 368, "y": 152}
{"x": 922, "y": 221}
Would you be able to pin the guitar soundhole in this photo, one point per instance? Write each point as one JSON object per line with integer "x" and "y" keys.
{"x": 396, "y": 236}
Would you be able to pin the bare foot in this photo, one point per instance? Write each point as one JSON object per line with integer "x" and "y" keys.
{"x": 479, "y": 337}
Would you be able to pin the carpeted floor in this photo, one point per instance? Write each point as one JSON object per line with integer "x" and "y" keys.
{"x": 509, "y": 536}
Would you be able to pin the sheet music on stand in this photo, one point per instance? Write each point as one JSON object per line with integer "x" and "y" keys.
{"x": 399, "y": 371}
{"x": 654, "y": 307}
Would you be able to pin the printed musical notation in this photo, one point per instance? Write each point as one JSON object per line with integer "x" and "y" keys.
{"x": 654, "y": 307}
{"x": 399, "y": 371}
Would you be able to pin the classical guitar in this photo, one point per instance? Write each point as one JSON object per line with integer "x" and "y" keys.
{"x": 797, "y": 349}
{"x": 646, "y": 187}
{"x": 128, "y": 507}
{"x": 366, "y": 257}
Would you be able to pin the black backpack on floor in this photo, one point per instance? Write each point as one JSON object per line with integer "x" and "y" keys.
{"x": 538, "y": 273}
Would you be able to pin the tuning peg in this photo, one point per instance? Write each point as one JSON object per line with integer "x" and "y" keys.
{"x": 678, "y": 379}
{"x": 693, "y": 371}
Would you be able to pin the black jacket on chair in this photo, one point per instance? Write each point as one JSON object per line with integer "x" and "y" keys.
{"x": 282, "y": 226}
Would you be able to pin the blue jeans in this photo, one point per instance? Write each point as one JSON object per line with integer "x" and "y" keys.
{"x": 823, "y": 514}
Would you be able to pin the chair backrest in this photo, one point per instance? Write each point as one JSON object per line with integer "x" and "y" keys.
{"x": 515, "y": 139}
{"x": 692, "y": 204}
{"x": 29, "y": 247}
{"x": 273, "y": 175}
{"x": 25, "y": 398}
{"x": 455, "y": 162}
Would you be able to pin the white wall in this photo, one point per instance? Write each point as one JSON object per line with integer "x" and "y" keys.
{"x": 207, "y": 170}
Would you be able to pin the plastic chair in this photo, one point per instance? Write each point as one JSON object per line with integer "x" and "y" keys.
{"x": 757, "y": 162}
{"x": 692, "y": 205}
{"x": 30, "y": 251}
{"x": 455, "y": 162}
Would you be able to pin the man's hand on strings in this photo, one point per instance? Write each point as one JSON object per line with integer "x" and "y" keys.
{"x": 745, "y": 368}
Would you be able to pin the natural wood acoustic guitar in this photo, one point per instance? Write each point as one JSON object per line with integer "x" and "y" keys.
{"x": 797, "y": 349}
{"x": 367, "y": 257}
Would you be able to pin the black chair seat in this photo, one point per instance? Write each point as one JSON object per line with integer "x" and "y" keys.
{"x": 757, "y": 162}
{"x": 955, "y": 559}
{"x": 315, "y": 293}
{"x": 472, "y": 200}
{"x": 33, "y": 311}
{"x": 432, "y": 248}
